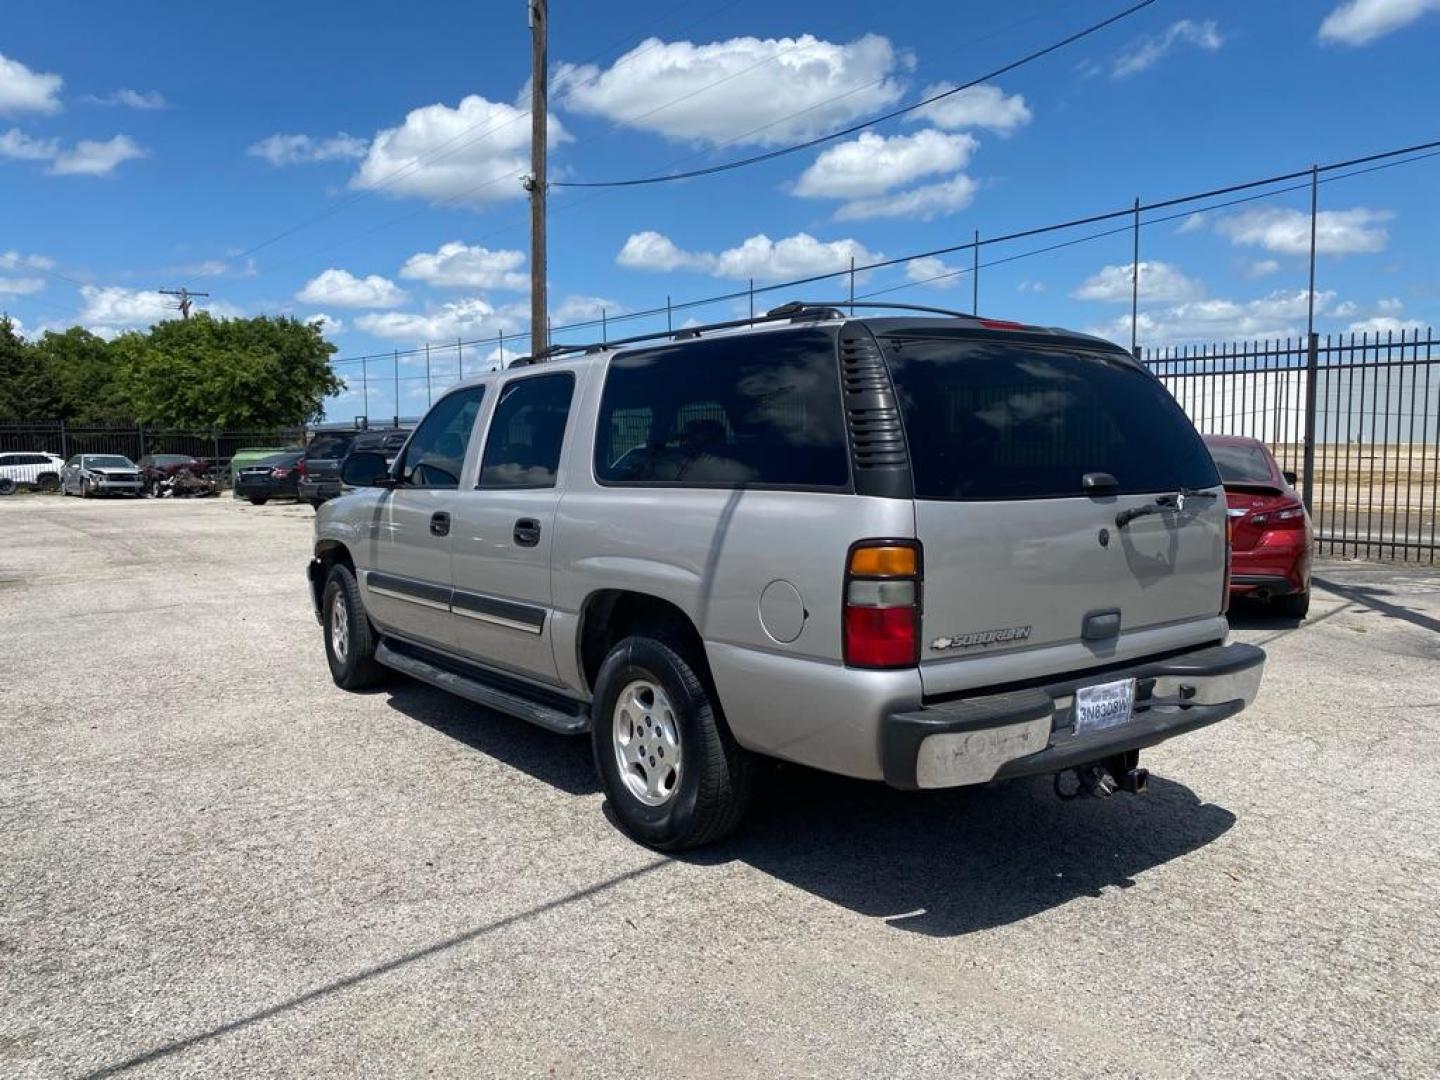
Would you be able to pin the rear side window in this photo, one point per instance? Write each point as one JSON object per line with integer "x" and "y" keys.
{"x": 991, "y": 420}
{"x": 753, "y": 410}
{"x": 527, "y": 431}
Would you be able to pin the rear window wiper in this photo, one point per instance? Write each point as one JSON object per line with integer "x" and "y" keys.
{"x": 1162, "y": 503}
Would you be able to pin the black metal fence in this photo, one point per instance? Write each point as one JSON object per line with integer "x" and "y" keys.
{"x": 1356, "y": 416}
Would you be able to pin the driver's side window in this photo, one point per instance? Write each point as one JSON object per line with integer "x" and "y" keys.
{"x": 436, "y": 452}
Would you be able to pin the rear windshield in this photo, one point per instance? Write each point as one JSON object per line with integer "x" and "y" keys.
{"x": 993, "y": 420}
{"x": 329, "y": 446}
{"x": 1242, "y": 464}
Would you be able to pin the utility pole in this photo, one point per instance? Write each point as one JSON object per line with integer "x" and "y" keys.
{"x": 538, "y": 13}
{"x": 184, "y": 303}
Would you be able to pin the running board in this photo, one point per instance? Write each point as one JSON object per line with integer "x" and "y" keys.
{"x": 472, "y": 688}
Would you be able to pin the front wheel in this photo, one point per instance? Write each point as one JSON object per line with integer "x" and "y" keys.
{"x": 257, "y": 501}
{"x": 349, "y": 638}
{"x": 48, "y": 482}
{"x": 674, "y": 775}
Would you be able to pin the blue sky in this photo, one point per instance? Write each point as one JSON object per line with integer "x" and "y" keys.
{"x": 289, "y": 159}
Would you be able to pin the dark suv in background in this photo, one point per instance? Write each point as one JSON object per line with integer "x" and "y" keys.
{"x": 326, "y": 454}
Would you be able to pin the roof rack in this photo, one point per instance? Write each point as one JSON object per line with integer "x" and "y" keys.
{"x": 794, "y": 311}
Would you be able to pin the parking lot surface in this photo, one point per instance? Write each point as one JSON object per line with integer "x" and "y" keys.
{"x": 213, "y": 863}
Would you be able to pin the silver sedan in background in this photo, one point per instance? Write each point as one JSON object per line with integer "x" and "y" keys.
{"x": 100, "y": 474}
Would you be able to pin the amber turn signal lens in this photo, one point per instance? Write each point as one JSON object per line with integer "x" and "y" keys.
{"x": 883, "y": 561}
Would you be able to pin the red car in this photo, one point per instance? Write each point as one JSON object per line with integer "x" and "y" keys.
{"x": 1270, "y": 540}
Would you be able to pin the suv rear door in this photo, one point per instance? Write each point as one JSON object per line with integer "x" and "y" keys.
{"x": 501, "y": 605}
{"x": 1017, "y": 556}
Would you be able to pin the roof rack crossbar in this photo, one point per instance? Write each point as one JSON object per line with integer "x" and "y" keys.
{"x": 794, "y": 310}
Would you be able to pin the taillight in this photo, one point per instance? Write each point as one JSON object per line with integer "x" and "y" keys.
{"x": 279, "y": 472}
{"x": 1290, "y": 515}
{"x": 882, "y": 604}
{"x": 1225, "y": 583}
{"x": 300, "y": 468}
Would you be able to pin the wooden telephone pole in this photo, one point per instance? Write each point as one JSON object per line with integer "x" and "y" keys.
{"x": 184, "y": 303}
{"x": 539, "y": 15}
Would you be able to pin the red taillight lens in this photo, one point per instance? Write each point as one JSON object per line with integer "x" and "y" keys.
{"x": 1289, "y": 515}
{"x": 280, "y": 472}
{"x": 300, "y": 468}
{"x": 882, "y": 605}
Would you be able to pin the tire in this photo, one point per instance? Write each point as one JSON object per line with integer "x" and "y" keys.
{"x": 709, "y": 792}
{"x": 256, "y": 500}
{"x": 351, "y": 657}
{"x": 7, "y": 486}
{"x": 1295, "y": 605}
{"x": 47, "y": 482}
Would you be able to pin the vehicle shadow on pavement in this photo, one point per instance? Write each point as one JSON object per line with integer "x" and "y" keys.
{"x": 931, "y": 862}
{"x": 563, "y": 761}
{"x": 950, "y": 863}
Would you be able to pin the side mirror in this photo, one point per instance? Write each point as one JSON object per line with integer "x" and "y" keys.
{"x": 1290, "y": 477}
{"x": 366, "y": 469}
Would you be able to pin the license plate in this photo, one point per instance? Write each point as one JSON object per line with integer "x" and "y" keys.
{"x": 1103, "y": 706}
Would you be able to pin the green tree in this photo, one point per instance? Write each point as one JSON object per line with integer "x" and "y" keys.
{"x": 226, "y": 374}
{"x": 23, "y": 393}
{"x": 83, "y": 376}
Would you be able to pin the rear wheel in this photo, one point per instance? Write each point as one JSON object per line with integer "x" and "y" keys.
{"x": 256, "y": 500}
{"x": 1295, "y": 605}
{"x": 349, "y": 637}
{"x": 674, "y": 775}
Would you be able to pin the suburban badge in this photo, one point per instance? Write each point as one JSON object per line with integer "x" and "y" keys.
{"x": 981, "y": 638}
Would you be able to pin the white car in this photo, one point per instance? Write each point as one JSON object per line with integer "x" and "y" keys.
{"x": 100, "y": 474}
{"x": 36, "y": 470}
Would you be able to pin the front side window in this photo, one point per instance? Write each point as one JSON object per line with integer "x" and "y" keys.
{"x": 437, "y": 450}
{"x": 527, "y": 431}
{"x": 1000, "y": 420}
{"x": 755, "y": 409}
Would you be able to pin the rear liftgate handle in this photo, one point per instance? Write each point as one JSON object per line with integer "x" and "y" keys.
{"x": 527, "y": 532}
{"x": 440, "y": 523}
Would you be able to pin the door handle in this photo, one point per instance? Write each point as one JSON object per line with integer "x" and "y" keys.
{"x": 527, "y": 532}
{"x": 440, "y": 523}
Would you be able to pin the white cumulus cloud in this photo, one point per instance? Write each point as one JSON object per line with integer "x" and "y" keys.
{"x": 983, "y": 106}
{"x": 91, "y": 157}
{"x": 475, "y": 153}
{"x": 764, "y": 91}
{"x": 474, "y": 267}
{"x": 650, "y": 250}
{"x": 280, "y": 150}
{"x": 1149, "y": 51}
{"x": 1287, "y": 231}
{"x": 109, "y": 310}
{"x": 923, "y": 203}
{"x": 1359, "y": 22}
{"x": 129, "y": 99}
{"x": 1385, "y": 324}
{"x": 928, "y": 270}
{"x": 872, "y": 164}
{"x": 328, "y": 323}
{"x": 23, "y": 90}
{"x": 756, "y": 257}
{"x": 344, "y": 289}
{"x": 88, "y": 157}
{"x": 469, "y": 317}
{"x": 1276, "y": 315}
{"x": 13, "y": 260}
{"x": 1160, "y": 282}
{"x": 22, "y": 286}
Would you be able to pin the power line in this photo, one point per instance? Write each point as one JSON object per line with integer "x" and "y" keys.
{"x": 1374, "y": 162}
{"x": 771, "y": 155}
